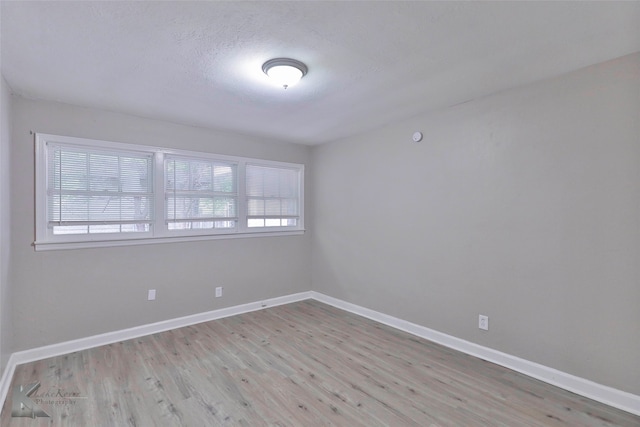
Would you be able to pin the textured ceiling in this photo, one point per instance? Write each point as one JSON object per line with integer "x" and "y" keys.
{"x": 370, "y": 63}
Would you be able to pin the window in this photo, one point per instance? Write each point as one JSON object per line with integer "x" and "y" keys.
{"x": 100, "y": 193}
{"x": 272, "y": 196}
{"x": 200, "y": 194}
{"x": 96, "y": 191}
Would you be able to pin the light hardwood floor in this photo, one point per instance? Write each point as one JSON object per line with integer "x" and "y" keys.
{"x": 302, "y": 364}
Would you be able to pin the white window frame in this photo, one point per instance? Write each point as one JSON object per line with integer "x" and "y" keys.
{"x": 46, "y": 240}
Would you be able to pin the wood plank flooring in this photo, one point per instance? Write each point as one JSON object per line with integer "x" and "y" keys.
{"x": 302, "y": 364}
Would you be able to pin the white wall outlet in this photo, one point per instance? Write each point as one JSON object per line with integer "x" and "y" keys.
{"x": 151, "y": 295}
{"x": 218, "y": 291}
{"x": 483, "y": 322}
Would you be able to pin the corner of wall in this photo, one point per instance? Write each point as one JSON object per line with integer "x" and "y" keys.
{"x": 5, "y": 219}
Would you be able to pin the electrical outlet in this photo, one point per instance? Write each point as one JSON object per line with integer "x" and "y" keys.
{"x": 218, "y": 291}
{"x": 151, "y": 295}
{"x": 483, "y": 322}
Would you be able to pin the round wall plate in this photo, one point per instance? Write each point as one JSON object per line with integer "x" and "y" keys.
{"x": 417, "y": 137}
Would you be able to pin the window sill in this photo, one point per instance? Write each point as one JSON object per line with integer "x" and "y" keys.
{"x": 50, "y": 246}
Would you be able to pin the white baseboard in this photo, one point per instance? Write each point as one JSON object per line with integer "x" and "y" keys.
{"x": 66, "y": 347}
{"x": 607, "y": 395}
{"x": 610, "y": 396}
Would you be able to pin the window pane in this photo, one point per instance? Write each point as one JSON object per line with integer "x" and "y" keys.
{"x": 195, "y": 193}
{"x": 254, "y": 181}
{"x": 72, "y": 229}
{"x": 181, "y": 174}
{"x": 137, "y": 208}
{"x": 104, "y": 173}
{"x": 290, "y": 207}
{"x": 69, "y": 208}
{"x": 135, "y": 175}
{"x": 224, "y": 177}
{"x": 271, "y": 187}
{"x": 169, "y": 170}
{"x": 200, "y": 207}
{"x": 104, "y": 208}
{"x": 201, "y": 176}
{"x": 135, "y": 228}
{"x": 273, "y": 193}
{"x": 195, "y": 225}
{"x": 288, "y": 183}
{"x": 224, "y": 224}
{"x": 224, "y": 207}
{"x": 72, "y": 171}
{"x": 272, "y": 207}
{"x": 111, "y": 228}
{"x": 87, "y": 185}
{"x": 256, "y": 207}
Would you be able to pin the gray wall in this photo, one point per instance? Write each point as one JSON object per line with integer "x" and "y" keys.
{"x": 69, "y": 294}
{"x": 524, "y": 206}
{"x": 5, "y": 226}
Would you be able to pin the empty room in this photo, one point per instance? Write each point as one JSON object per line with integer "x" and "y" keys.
{"x": 315, "y": 213}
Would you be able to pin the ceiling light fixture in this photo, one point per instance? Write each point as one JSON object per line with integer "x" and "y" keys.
{"x": 284, "y": 71}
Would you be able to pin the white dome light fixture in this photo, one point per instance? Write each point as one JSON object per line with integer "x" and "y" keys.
{"x": 284, "y": 71}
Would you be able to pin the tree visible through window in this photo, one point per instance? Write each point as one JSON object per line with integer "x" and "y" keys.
{"x": 200, "y": 194}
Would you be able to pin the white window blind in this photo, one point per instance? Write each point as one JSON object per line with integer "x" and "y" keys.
{"x": 272, "y": 196}
{"x": 200, "y": 194}
{"x": 91, "y": 191}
